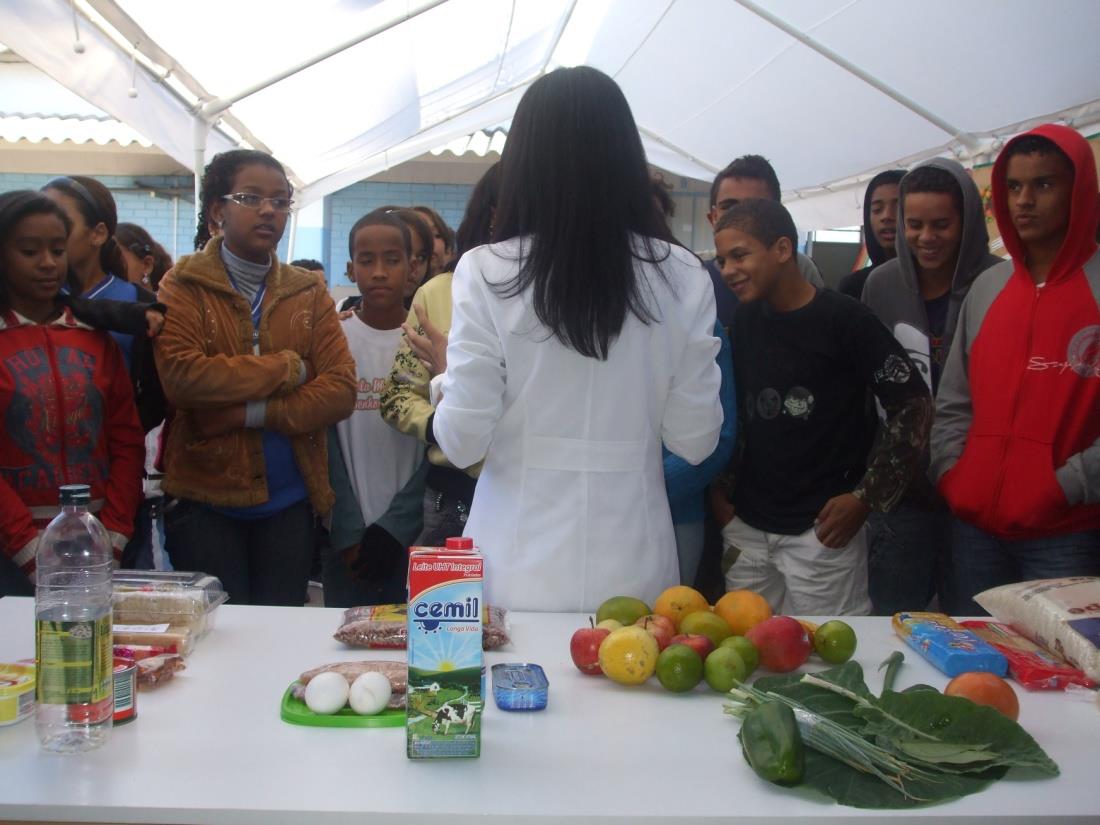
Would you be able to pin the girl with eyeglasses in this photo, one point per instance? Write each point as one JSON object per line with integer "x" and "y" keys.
{"x": 581, "y": 339}
{"x": 66, "y": 403}
{"x": 254, "y": 361}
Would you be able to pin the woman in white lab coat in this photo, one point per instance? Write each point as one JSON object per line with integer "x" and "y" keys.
{"x": 580, "y": 341}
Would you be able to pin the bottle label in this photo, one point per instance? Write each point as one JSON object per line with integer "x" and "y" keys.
{"x": 74, "y": 662}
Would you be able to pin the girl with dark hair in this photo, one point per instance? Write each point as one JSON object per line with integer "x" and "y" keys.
{"x": 422, "y": 242}
{"x": 146, "y": 260}
{"x": 443, "y": 241}
{"x": 448, "y": 491}
{"x": 253, "y": 359}
{"x": 67, "y": 407}
{"x": 581, "y": 340}
{"x": 97, "y": 272}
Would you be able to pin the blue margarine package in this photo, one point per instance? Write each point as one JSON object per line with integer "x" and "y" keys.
{"x": 444, "y": 698}
{"x": 948, "y": 645}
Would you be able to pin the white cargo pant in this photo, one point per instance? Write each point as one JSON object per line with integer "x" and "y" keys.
{"x": 798, "y": 575}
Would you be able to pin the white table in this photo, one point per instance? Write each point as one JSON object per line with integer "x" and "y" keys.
{"x": 210, "y": 747}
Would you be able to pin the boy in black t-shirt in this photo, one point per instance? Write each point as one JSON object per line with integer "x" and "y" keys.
{"x": 804, "y": 359}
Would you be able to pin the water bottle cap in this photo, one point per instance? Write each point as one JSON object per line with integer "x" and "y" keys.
{"x": 75, "y": 494}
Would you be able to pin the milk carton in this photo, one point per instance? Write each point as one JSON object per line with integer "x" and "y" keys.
{"x": 444, "y": 697}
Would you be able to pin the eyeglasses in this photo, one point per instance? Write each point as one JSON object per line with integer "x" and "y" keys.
{"x": 250, "y": 200}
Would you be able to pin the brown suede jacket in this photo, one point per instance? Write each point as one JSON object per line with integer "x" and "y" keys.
{"x": 206, "y": 361}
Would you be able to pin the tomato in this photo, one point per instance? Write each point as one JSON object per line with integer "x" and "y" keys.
{"x": 986, "y": 689}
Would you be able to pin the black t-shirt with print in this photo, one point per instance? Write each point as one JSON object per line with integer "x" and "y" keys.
{"x": 936, "y": 310}
{"x": 802, "y": 379}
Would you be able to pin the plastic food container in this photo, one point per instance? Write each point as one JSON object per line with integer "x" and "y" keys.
{"x": 186, "y": 602}
{"x": 520, "y": 686}
{"x": 16, "y": 692}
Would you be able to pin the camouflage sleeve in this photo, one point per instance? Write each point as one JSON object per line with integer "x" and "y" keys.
{"x": 404, "y": 403}
{"x": 897, "y": 454}
{"x": 904, "y": 397}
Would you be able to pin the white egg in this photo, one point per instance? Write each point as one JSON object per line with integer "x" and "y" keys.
{"x": 370, "y": 693}
{"x": 326, "y": 693}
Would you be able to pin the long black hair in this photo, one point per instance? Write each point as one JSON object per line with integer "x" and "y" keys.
{"x": 217, "y": 182}
{"x": 14, "y": 207}
{"x": 96, "y": 206}
{"x": 477, "y": 221}
{"x": 575, "y": 187}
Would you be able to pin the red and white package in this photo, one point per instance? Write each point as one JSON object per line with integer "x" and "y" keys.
{"x": 1030, "y": 665}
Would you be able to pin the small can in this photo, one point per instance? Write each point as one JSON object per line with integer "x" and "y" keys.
{"x": 520, "y": 686}
{"x": 125, "y": 674}
{"x": 16, "y": 692}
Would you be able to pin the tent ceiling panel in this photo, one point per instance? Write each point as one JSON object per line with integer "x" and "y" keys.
{"x": 707, "y": 79}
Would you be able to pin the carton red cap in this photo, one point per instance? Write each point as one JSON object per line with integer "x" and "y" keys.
{"x": 460, "y": 543}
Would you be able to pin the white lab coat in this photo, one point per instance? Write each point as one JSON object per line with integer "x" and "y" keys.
{"x": 570, "y": 507}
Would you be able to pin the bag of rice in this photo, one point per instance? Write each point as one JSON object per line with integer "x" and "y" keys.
{"x": 1062, "y": 615}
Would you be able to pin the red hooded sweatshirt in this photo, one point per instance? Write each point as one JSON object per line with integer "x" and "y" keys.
{"x": 1016, "y": 443}
{"x": 69, "y": 418}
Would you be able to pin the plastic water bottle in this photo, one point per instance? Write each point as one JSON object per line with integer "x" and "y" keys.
{"x": 73, "y": 652}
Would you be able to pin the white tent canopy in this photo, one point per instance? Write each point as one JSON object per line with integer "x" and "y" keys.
{"x": 830, "y": 90}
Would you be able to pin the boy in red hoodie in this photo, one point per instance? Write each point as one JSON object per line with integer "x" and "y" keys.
{"x": 1016, "y": 441}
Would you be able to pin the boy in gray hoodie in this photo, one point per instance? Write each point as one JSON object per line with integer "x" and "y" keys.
{"x": 943, "y": 245}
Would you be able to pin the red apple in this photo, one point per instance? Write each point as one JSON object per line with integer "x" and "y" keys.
{"x": 584, "y": 647}
{"x": 696, "y": 641}
{"x": 783, "y": 643}
{"x": 660, "y": 628}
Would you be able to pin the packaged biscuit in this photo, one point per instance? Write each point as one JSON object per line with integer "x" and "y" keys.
{"x": 948, "y": 645}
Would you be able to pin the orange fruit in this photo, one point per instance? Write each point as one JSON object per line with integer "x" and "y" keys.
{"x": 986, "y": 689}
{"x": 743, "y": 610}
{"x": 811, "y": 628}
{"x": 679, "y": 601}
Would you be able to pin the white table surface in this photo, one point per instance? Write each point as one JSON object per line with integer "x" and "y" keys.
{"x": 209, "y": 747}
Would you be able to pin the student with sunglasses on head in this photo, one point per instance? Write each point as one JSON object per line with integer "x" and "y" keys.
{"x": 253, "y": 359}
{"x": 97, "y": 272}
{"x": 146, "y": 260}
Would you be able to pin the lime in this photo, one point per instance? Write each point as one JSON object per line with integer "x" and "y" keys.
{"x": 835, "y": 642}
{"x": 679, "y": 668}
{"x": 624, "y": 609}
{"x": 749, "y": 654}
{"x": 705, "y": 623}
{"x": 724, "y": 668}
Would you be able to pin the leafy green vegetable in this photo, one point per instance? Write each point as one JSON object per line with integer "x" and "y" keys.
{"x": 898, "y": 750}
{"x": 901, "y": 718}
{"x": 834, "y": 706}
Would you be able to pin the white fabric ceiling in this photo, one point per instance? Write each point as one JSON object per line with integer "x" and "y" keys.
{"x": 708, "y": 80}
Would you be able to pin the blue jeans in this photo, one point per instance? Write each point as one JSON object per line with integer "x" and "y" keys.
{"x": 981, "y": 561}
{"x": 263, "y": 561}
{"x": 909, "y": 551}
{"x": 689, "y": 549}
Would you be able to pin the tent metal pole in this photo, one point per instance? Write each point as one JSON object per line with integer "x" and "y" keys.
{"x": 214, "y": 108}
{"x": 965, "y": 138}
{"x": 200, "y": 130}
{"x": 293, "y": 235}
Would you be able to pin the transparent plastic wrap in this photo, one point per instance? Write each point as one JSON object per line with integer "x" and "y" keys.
{"x": 185, "y": 601}
{"x": 1061, "y": 615}
{"x": 1030, "y": 665}
{"x": 386, "y": 626}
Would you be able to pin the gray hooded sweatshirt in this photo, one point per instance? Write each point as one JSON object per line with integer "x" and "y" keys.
{"x": 893, "y": 292}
